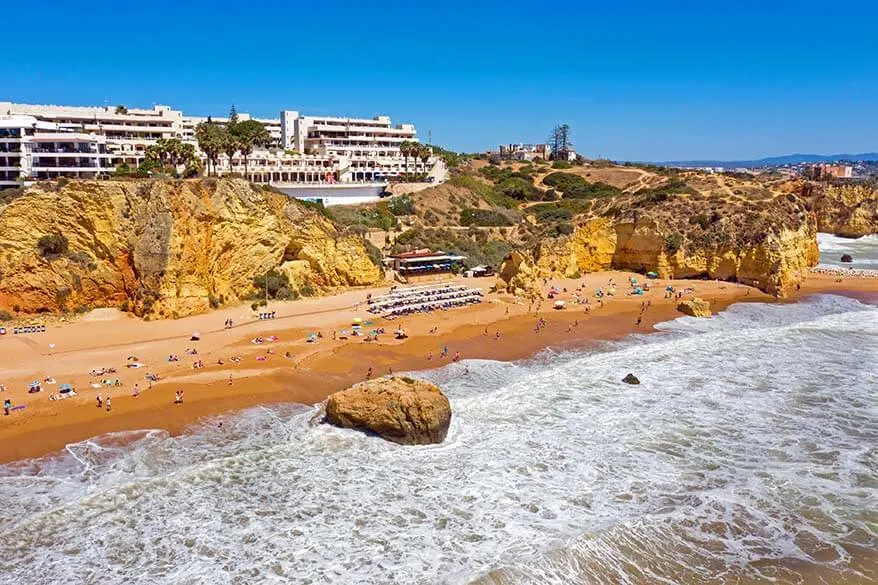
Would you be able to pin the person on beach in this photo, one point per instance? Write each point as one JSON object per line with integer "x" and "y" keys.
{"x": 456, "y": 356}
{"x": 230, "y": 379}
{"x": 7, "y": 406}
{"x": 466, "y": 370}
{"x": 108, "y": 404}
{"x": 98, "y": 400}
{"x": 178, "y": 397}
{"x": 136, "y": 391}
{"x": 497, "y": 336}
{"x": 369, "y": 374}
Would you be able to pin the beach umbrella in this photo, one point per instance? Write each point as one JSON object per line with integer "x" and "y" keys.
{"x": 357, "y": 321}
{"x": 652, "y": 274}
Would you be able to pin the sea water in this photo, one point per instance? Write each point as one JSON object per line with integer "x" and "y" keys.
{"x": 749, "y": 452}
{"x": 863, "y": 250}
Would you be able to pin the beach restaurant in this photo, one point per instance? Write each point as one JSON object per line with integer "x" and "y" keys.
{"x": 426, "y": 261}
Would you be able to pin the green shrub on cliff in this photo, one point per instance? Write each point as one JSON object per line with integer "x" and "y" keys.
{"x": 484, "y": 217}
{"x": 272, "y": 281}
{"x": 576, "y": 187}
{"x": 52, "y": 246}
{"x": 519, "y": 189}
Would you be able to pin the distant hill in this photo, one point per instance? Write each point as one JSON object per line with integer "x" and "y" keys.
{"x": 790, "y": 159}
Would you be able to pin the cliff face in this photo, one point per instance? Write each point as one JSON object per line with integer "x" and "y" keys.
{"x": 774, "y": 265}
{"x": 754, "y": 230}
{"x": 844, "y": 210}
{"x": 767, "y": 241}
{"x": 166, "y": 247}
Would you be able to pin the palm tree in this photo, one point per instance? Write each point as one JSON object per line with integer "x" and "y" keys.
{"x": 424, "y": 152}
{"x": 210, "y": 141}
{"x": 405, "y": 148}
{"x": 230, "y": 146}
{"x": 250, "y": 133}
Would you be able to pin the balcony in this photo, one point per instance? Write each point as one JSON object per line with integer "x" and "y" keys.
{"x": 61, "y": 164}
{"x": 62, "y": 150}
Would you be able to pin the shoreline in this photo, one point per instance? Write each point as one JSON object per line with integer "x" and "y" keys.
{"x": 314, "y": 370}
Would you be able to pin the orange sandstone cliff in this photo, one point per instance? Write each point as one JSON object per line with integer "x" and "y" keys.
{"x": 165, "y": 248}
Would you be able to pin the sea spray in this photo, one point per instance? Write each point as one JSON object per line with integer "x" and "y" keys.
{"x": 751, "y": 442}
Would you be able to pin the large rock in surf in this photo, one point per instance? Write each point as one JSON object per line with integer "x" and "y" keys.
{"x": 631, "y": 379}
{"x": 847, "y": 258}
{"x": 402, "y": 410}
{"x": 695, "y": 307}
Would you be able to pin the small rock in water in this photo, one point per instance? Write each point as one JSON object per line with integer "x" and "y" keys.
{"x": 631, "y": 379}
{"x": 847, "y": 258}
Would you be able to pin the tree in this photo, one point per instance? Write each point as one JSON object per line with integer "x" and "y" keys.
{"x": 210, "y": 138}
{"x": 424, "y": 152}
{"x": 230, "y": 145}
{"x": 559, "y": 142}
{"x": 120, "y": 109}
{"x": 250, "y": 133}
{"x": 169, "y": 152}
{"x": 405, "y": 148}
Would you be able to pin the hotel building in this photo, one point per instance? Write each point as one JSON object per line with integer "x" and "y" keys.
{"x": 37, "y": 150}
{"x": 305, "y": 149}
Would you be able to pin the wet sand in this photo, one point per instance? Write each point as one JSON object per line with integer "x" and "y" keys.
{"x": 314, "y": 370}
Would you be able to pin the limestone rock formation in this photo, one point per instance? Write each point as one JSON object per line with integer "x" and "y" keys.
{"x": 402, "y": 410}
{"x": 695, "y": 307}
{"x": 775, "y": 263}
{"x": 849, "y": 210}
{"x": 166, "y": 248}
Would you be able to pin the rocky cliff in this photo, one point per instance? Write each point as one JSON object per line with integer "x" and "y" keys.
{"x": 769, "y": 244}
{"x": 848, "y": 210}
{"x": 165, "y": 248}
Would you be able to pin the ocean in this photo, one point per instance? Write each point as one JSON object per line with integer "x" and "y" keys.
{"x": 748, "y": 454}
{"x": 864, "y": 251}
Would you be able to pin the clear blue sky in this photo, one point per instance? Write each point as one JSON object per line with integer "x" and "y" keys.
{"x": 639, "y": 80}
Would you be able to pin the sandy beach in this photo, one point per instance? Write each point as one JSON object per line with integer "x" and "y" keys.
{"x": 67, "y": 352}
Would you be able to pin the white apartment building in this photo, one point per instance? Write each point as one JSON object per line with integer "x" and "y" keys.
{"x": 307, "y": 149}
{"x": 129, "y": 131}
{"x": 370, "y": 146}
{"x": 32, "y": 149}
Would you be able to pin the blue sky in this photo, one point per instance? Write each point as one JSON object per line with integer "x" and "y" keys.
{"x": 639, "y": 80}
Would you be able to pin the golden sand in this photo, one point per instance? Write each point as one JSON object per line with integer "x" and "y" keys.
{"x": 313, "y": 370}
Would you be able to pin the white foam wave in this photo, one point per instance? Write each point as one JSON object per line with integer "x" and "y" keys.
{"x": 748, "y": 430}
{"x": 863, "y": 250}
